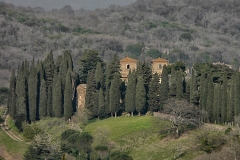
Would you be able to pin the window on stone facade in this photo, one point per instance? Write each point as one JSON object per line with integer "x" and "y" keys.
{"x": 128, "y": 66}
{"x": 160, "y": 66}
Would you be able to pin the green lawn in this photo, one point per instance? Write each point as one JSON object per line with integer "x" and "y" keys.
{"x": 12, "y": 146}
{"x": 122, "y": 126}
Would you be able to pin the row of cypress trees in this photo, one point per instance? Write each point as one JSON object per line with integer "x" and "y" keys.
{"x": 44, "y": 89}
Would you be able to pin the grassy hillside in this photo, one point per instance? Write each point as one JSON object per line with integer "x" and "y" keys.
{"x": 141, "y": 137}
{"x": 14, "y": 148}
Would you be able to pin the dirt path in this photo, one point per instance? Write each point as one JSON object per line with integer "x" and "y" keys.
{"x": 6, "y": 129}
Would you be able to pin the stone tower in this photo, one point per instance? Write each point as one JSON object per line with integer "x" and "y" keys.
{"x": 127, "y": 64}
{"x": 81, "y": 94}
{"x": 157, "y": 65}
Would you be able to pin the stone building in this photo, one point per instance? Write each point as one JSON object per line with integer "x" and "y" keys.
{"x": 127, "y": 64}
{"x": 157, "y": 65}
{"x": 81, "y": 94}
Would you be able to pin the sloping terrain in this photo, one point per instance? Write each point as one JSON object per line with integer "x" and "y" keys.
{"x": 191, "y": 31}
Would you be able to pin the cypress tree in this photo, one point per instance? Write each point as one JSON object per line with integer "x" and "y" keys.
{"x": 153, "y": 93}
{"x": 209, "y": 106}
{"x": 43, "y": 100}
{"x": 21, "y": 101}
{"x": 230, "y": 108}
{"x": 237, "y": 95}
{"x": 224, "y": 99}
{"x": 173, "y": 85}
{"x": 179, "y": 85}
{"x": 115, "y": 94}
{"x": 145, "y": 71}
{"x": 101, "y": 104}
{"x": 164, "y": 86}
{"x": 112, "y": 68}
{"x": 216, "y": 104}
{"x": 32, "y": 93}
{"x": 68, "y": 108}
{"x": 11, "y": 95}
{"x": 203, "y": 91}
{"x": 90, "y": 94}
{"x": 57, "y": 97}
{"x": 99, "y": 78}
{"x": 49, "y": 101}
{"x": 130, "y": 102}
{"x": 49, "y": 67}
{"x": 140, "y": 95}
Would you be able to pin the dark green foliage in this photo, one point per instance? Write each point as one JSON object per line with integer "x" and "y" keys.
{"x": 90, "y": 100}
{"x": 68, "y": 108}
{"x": 145, "y": 71}
{"x": 134, "y": 49}
{"x": 224, "y": 99}
{"x": 18, "y": 121}
{"x": 4, "y": 93}
{"x": 209, "y": 143}
{"x": 173, "y": 83}
{"x": 179, "y": 66}
{"x": 112, "y": 68}
{"x": 237, "y": 95}
{"x": 179, "y": 85}
{"x": 186, "y": 36}
{"x": 117, "y": 155}
{"x": 12, "y": 95}
{"x": 32, "y": 94}
{"x": 41, "y": 148}
{"x": 209, "y": 105}
{"x": 153, "y": 94}
{"x": 99, "y": 77}
{"x": 164, "y": 86}
{"x": 217, "y": 103}
{"x": 228, "y": 130}
{"x": 154, "y": 53}
{"x": 57, "y": 97}
{"x": 140, "y": 95}
{"x": 49, "y": 101}
{"x": 101, "y": 104}
{"x": 114, "y": 98}
{"x": 30, "y": 131}
{"x": 43, "y": 100}
{"x": 49, "y": 69}
{"x": 88, "y": 62}
{"x": 130, "y": 97}
{"x": 73, "y": 142}
{"x": 1, "y": 120}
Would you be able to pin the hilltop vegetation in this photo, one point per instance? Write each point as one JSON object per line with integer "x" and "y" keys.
{"x": 191, "y": 30}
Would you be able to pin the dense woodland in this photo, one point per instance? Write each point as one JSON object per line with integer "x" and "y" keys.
{"x": 193, "y": 31}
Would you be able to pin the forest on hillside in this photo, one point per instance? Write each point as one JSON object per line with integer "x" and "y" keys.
{"x": 191, "y": 31}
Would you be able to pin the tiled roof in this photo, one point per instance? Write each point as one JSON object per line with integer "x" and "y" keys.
{"x": 128, "y": 59}
{"x": 159, "y": 60}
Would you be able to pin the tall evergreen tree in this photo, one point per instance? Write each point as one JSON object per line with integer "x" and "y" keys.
{"x": 164, "y": 86}
{"x": 49, "y": 67}
{"x": 130, "y": 97}
{"x": 115, "y": 94}
{"x": 101, "y": 104}
{"x": 57, "y": 97}
{"x": 112, "y": 68}
{"x": 224, "y": 99}
{"x": 43, "y": 100}
{"x": 145, "y": 71}
{"x": 88, "y": 62}
{"x": 153, "y": 94}
{"x": 68, "y": 108}
{"x": 99, "y": 77}
{"x": 140, "y": 95}
{"x": 49, "y": 101}
{"x": 230, "y": 107}
{"x": 216, "y": 103}
{"x": 12, "y": 95}
{"x": 90, "y": 100}
{"x": 179, "y": 85}
{"x": 209, "y": 105}
{"x": 237, "y": 94}
{"x": 32, "y": 94}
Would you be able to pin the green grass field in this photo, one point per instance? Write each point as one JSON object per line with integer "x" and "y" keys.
{"x": 13, "y": 147}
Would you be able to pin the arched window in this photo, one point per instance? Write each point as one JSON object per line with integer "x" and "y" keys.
{"x": 160, "y": 66}
{"x": 128, "y": 66}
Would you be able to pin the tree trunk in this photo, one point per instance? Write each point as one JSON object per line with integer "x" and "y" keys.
{"x": 115, "y": 114}
{"x": 138, "y": 113}
{"x": 132, "y": 114}
{"x": 111, "y": 114}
